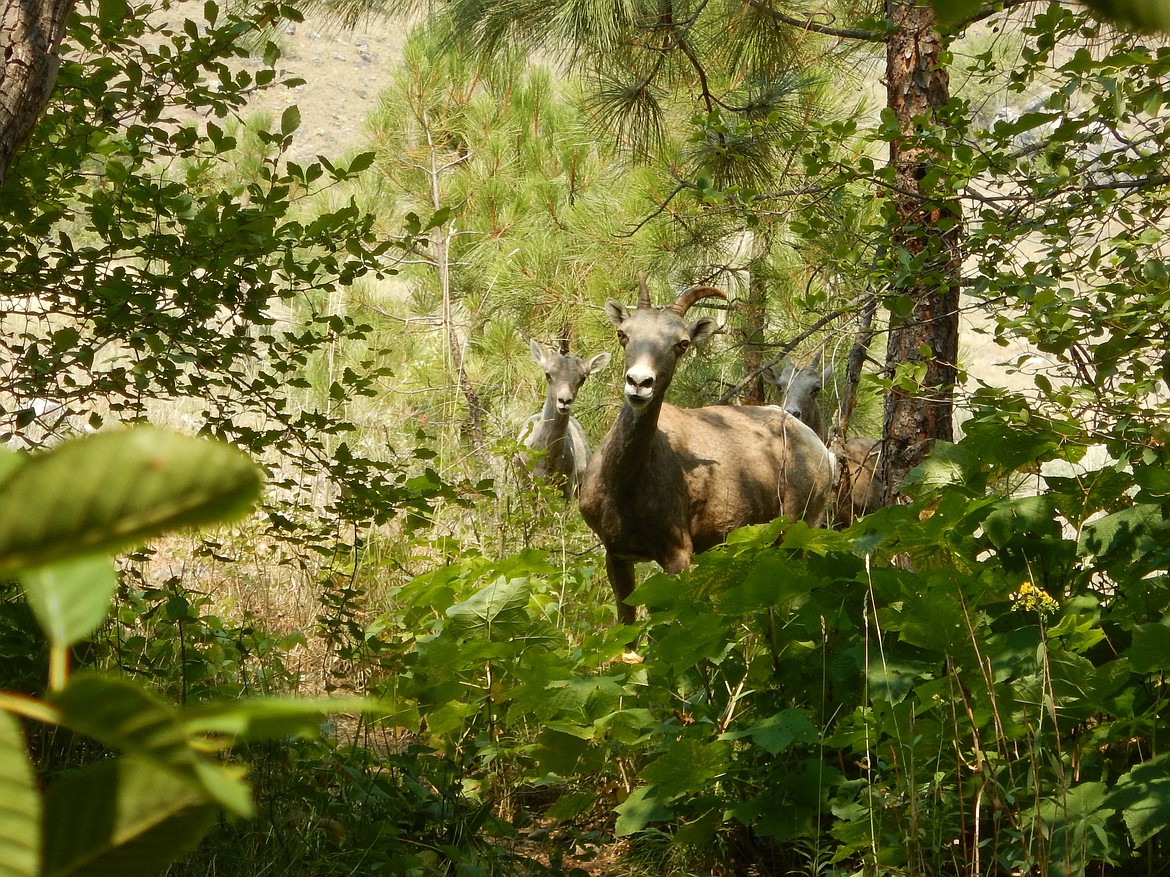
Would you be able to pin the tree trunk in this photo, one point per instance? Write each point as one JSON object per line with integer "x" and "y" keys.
{"x": 753, "y": 320}
{"x": 924, "y": 322}
{"x": 30, "y": 40}
{"x": 441, "y": 238}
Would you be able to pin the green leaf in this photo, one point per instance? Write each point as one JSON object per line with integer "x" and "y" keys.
{"x": 498, "y": 603}
{"x": 109, "y": 491}
{"x": 687, "y": 766}
{"x": 1143, "y": 797}
{"x": 119, "y": 817}
{"x": 10, "y": 461}
{"x": 571, "y": 805}
{"x": 361, "y": 162}
{"x": 273, "y": 718}
{"x": 111, "y": 14}
{"x": 559, "y": 753}
{"x": 70, "y": 599}
{"x": 1145, "y": 16}
{"x": 947, "y": 464}
{"x": 639, "y": 810}
{"x": 1150, "y": 650}
{"x": 949, "y": 13}
{"x": 290, "y": 120}
{"x": 776, "y": 733}
{"x": 124, "y": 716}
{"x": 20, "y": 806}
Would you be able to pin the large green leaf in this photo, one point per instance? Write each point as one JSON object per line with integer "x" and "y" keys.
{"x": 120, "y": 817}
{"x": 642, "y": 807}
{"x": 126, "y": 717}
{"x": 776, "y": 733}
{"x": 106, "y": 492}
{"x": 687, "y": 766}
{"x": 70, "y": 598}
{"x": 1143, "y": 797}
{"x": 495, "y": 608}
{"x": 1150, "y": 650}
{"x": 20, "y": 807}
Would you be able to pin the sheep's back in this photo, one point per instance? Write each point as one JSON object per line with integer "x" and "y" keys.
{"x": 746, "y": 465}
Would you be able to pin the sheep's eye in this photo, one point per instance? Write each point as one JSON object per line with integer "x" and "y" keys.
{"x": 683, "y": 345}
{"x": 622, "y": 338}
{"x": 548, "y": 376}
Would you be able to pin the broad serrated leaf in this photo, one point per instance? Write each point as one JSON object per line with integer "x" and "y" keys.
{"x": 20, "y": 805}
{"x": 776, "y": 733}
{"x": 687, "y": 766}
{"x": 571, "y": 805}
{"x": 120, "y": 817}
{"x": 497, "y": 604}
{"x": 109, "y": 491}
{"x": 1143, "y": 797}
{"x": 70, "y": 599}
{"x": 1150, "y": 650}
{"x": 639, "y": 810}
{"x": 126, "y": 717}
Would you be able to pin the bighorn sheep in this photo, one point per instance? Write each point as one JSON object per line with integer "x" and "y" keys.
{"x": 667, "y": 482}
{"x": 859, "y": 490}
{"x": 557, "y": 449}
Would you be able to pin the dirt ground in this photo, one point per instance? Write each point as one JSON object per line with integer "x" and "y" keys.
{"x": 345, "y": 71}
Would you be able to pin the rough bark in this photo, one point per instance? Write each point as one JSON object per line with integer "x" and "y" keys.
{"x": 753, "y": 319}
{"x": 30, "y": 41}
{"x": 917, "y": 86}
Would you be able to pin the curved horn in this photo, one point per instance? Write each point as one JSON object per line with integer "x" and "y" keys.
{"x": 643, "y": 291}
{"x": 689, "y": 296}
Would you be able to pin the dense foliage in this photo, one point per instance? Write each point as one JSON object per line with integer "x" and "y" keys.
{"x": 971, "y": 682}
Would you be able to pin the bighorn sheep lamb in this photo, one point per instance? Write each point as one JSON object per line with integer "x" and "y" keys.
{"x": 667, "y": 482}
{"x": 859, "y": 490}
{"x": 557, "y": 449}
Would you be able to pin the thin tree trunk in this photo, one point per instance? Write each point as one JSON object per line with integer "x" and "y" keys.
{"x": 30, "y": 42}
{"x": 442, "y": 239}
{"x": 754, "y": 316}
{"x": 855, "y": 364}
{"x": 924, "y": 331}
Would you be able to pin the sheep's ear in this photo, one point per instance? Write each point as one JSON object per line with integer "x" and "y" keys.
{"x": 597, "y": 363}
{"x": 827, "y": 374}
{"x": 537, "y": 352}
{"x": 702, "y": 329}
{"x": 789, "y": 368}
{"x": 616, "y": 312}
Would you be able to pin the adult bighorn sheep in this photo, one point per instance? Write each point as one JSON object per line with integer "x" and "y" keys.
{"x": 667, "y": 482}
{"x": 859, "y": 490}
{"x": 556, "y": 447}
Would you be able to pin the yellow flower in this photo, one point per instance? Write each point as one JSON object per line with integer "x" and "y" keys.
{"x": 1029, "y": 598}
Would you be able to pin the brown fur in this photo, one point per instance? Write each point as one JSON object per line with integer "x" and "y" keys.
{"x": 859, "y": 490}
{"x": 667, "y": 482}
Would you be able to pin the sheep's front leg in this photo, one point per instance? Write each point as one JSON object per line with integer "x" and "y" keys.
{"x": 621, "y": 579}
